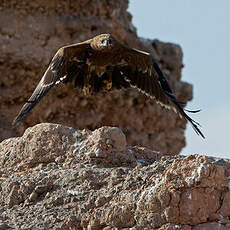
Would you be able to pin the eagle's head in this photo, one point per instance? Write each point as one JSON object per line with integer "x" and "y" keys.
{"x": 104, "y": 42}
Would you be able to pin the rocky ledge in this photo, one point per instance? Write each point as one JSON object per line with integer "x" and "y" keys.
{"x": 56, "y": 177}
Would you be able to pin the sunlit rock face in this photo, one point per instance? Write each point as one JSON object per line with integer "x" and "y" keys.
{"x": 57, "y": 177}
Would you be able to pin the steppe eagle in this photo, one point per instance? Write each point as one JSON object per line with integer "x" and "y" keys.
{"x": 103, "y": 63}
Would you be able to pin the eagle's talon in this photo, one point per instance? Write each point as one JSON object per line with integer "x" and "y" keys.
{"x": 108, "y": 84}
{"x": 86, "y": 90}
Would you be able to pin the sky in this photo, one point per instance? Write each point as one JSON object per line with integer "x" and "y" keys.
{"x": 201, "y": 28}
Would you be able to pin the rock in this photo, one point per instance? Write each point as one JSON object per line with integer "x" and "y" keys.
{"x": 28, "y": 44}
{"x": 225, "y": 208}
{"x": 211, "y": 226}
{"x": 48, "y": 180}
{"x": 33, "y": 196}
{"x": 4, "y": 226}
{"x": 54, "y": 146}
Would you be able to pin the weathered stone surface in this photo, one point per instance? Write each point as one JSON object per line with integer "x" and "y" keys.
{"x": 225, "y": 208}
{"x": 211, "y": 226}
{"x": 55, "y": 144}
{"x": 56, "y": 177}
{"x": 38, "y": 28}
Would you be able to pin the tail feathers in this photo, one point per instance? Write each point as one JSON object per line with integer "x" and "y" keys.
{"x": 193, "y": 111}
{"x": 190, "y": 111}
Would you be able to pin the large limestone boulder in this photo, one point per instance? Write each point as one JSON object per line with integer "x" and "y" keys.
{"x": 56, "y": 177}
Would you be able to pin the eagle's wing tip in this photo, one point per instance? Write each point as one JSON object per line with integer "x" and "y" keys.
{"x": 202, "y": 135}
{"x": 15, "y": 123}
{"x": 195, "y": 126}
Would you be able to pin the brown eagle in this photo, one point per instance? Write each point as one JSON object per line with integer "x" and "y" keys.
{"x": 103, "y": 63}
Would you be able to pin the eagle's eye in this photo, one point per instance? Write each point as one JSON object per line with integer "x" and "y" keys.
{"x": 105, "y": 42}
{"x": 102, "y": 40}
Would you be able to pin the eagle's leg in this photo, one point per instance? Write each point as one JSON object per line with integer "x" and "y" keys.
{"x": 108, "y": 82}
{"x": 87, "y": 87}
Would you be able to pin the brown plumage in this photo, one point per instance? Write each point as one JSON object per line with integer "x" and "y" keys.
{"x": 103, "y": 63}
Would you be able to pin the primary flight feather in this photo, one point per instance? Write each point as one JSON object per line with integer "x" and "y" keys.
{"x": 103, "y": 63}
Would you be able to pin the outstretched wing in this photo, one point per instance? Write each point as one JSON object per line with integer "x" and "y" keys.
{"x": 142, "y": 72}
{"x": 56, "y": 72}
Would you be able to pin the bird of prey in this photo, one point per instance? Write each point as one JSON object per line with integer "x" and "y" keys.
{"x": 103, "y": 63}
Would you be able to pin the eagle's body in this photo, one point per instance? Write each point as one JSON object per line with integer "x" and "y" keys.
{"x": 103, "y": 63}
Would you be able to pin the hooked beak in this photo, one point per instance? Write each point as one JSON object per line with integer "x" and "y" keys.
{"x": 107, "y": 43}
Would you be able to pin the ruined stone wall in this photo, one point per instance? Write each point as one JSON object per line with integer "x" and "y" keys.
{"x": 31, "y": 32}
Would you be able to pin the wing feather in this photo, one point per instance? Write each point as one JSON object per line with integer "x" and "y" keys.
{"x": 143, "y": 67}
{"x": 56, "y": 71}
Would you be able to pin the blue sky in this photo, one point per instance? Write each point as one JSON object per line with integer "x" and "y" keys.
{"x": 202, "y": 29}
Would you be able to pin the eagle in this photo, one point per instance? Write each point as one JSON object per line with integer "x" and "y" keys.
{"x": 102, "y": 64}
